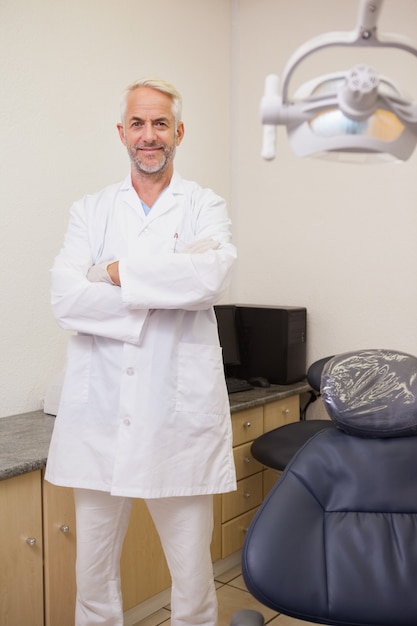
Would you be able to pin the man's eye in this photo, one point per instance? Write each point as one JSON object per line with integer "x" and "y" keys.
{"x": 136, "y": 124}
{"x": 161, "y": 124}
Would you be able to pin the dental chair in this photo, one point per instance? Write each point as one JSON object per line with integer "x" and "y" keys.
{"x": 276, "y": 447}
{"x": 335, "y": 541}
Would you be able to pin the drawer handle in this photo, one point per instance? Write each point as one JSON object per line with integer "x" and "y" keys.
{"x": 64, "y": 528}
{"x": 247, "y": 425}
{"x": 31, "y": 541}
{"x": 247, "y": 459}
{"x": 285, "y": 411}
{"x": 247, "y": 495}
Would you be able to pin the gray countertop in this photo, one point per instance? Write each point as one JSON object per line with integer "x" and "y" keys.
{"x": 24, "y": 442}
{"x": 24, "y": 438}
{"x": 258, "y": 396}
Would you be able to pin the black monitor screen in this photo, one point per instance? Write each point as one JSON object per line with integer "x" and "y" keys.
{"x": 227, "y": 333}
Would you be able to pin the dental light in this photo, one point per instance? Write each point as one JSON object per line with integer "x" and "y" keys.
{"x": 355, "y": 112}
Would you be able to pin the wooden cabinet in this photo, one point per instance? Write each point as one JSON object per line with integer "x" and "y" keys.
{"x": 21, "y": 550}
{"x": 281, "y": 412}
{"x": 144, "y": 572}
{"x": 37, "y": 531}
{"x": 269, "y": 477}
{"x": 59, "y": 548}
{"x": 234, "y": 532}
{"x": 247, "y": 496}
{"x": 247, "y": 425}
{"x": 245, "y": 464}
{"x": 253, "y": 480}
{"x": 216, "y": 542}
{"x": 143, "y": 569}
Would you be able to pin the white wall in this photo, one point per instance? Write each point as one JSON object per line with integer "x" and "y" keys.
{"x": 339, "y": 239}
{"x": 63, "y": 68}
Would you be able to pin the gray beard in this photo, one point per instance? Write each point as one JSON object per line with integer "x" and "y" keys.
{"x": 157, "y": 168}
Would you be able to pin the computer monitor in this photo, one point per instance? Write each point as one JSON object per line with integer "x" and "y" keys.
{"x": 226, "y": 323}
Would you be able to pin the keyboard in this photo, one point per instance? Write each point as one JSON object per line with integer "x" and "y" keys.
{"x": 236, "y": 384}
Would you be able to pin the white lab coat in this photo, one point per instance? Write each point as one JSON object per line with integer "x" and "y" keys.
{"x": 144, "y": 410}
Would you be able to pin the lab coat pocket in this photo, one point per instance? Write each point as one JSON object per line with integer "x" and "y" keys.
{"x": 201, "y": 387}
{"x": 77, "y": 374}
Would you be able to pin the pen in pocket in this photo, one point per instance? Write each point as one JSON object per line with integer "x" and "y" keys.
{"x": 174, "y": 249}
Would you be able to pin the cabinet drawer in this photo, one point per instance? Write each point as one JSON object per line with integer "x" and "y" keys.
{"x": 270, "y": 477}
{"x": 245, "y": 464}
{"x": 233, "y": 533}
{"x": 248, "y": 495}
{"x": 281, "y": 412}
{"x": 247, "y": 425}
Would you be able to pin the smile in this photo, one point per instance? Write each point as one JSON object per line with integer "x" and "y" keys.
{"x": 149, "y": 149}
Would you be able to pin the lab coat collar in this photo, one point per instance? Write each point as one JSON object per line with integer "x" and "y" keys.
{"x": 166, "y": 200}
{"x": 176, "y": 185}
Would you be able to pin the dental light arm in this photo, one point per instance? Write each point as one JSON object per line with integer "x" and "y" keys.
{"x": 356, "y": 94}
{"x": 269, "y": 130}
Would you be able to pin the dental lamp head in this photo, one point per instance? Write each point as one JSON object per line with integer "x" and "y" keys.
{"x": 345, "y": 114}
{"x": 358, "y": 94}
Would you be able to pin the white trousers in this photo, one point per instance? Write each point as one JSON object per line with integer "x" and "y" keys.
{"x": 185, "y": 527}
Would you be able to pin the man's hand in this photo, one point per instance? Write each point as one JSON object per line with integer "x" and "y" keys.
{"x": 113, "y": 272}
{"x": 100, "y": 273}
{"x": 202, "y": 245}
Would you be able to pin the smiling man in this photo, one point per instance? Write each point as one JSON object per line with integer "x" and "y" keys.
{"x": 151, "y": 131}
{"x": 144, "y": 410}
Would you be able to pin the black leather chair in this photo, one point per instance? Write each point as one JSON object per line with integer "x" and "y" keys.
{"x": 276, "y": 447}
{"x": 335, "y": 541}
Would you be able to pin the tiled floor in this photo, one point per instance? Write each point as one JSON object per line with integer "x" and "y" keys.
{"x": 232, "y": 596}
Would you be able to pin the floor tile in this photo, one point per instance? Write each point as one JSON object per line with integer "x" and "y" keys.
{"x": 160, "y": 617}
{"x": 238, "y": 582}
{"x": 230, "y": 574}
{"x": 232, "y": 596}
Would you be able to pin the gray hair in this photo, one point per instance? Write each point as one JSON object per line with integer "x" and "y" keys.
{"x": 159, "y": 85}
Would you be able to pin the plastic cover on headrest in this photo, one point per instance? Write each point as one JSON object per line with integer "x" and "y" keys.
{"x": 372, "y": 393}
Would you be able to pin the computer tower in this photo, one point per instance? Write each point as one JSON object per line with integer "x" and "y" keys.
{"x": 272, "y": 342}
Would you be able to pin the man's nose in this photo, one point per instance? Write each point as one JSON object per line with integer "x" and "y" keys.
{"x": 149, "y": 132}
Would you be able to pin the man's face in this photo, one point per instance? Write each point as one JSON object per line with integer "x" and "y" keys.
{"x": 150, "y": 132}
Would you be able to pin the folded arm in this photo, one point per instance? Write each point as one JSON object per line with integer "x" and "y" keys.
{"x": 113, "y": 300}
{"x": 84, "y": 306}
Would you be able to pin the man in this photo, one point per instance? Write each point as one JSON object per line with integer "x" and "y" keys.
{"x": 144, "y": 411}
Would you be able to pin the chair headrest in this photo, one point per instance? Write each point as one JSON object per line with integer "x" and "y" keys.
{"x": 372, "y": 393}
{"x": 315, "y": 371}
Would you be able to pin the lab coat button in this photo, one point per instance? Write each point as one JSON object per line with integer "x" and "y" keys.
{"x": 126, "y": 421}
{"x": 130, "y": 371}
